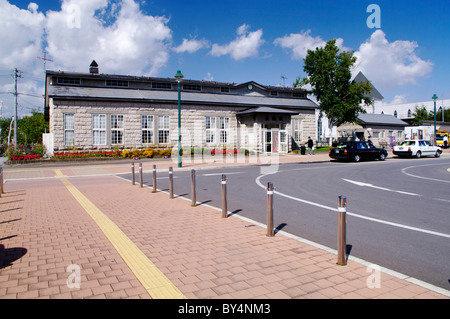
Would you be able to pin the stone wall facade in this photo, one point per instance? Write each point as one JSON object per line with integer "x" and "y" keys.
{"x": 242, "y": 132}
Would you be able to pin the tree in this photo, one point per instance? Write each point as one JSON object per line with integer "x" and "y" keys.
{"x": 329, "y": 74}
{"x": 420, "y": 114}
{"x": 31, "y": 128}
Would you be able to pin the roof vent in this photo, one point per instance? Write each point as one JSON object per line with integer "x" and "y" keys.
{"x": 93, "y": 68}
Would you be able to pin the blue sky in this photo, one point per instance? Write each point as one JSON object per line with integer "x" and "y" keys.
{"x": 229, "y": 41}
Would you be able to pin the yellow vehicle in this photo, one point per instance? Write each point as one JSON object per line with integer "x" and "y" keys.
{"x": 442, "y": 139}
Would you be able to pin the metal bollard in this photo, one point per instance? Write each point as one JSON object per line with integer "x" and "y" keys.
{"x": 141, "y": 178}
{"x": 170, "y": 182}
{"x": 224, "y": 197}
{"x": 2, "y": 190}
{"x": 132, "y": 174}
{"x": 342, "y": 230}
{"x": 194, "y": 199}
{"x": 154, "y": 179}
{"x": 1, "y": 181}
{"x": 270, "y": 231}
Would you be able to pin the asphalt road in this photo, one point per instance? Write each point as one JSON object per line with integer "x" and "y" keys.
{"x": 398, "y": 212}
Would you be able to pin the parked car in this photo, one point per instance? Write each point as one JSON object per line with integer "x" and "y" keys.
{"x": 357, "y": 151}
{"x": 416, "y": 148}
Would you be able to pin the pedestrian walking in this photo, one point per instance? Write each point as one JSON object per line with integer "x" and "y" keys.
{"x": 310, "y": 146}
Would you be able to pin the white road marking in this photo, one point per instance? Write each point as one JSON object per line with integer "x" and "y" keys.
{"x": 258, "y": 182}
{"x": 378, "y": 187}
{"x": 422, "y": 177}
{"x": 220, "y": 174}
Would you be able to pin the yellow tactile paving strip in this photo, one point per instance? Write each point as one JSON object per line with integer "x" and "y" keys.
{"x": 154, "y": 281}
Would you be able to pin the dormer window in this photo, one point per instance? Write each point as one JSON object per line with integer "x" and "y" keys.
{"x": 298, "y": 94}
{"x": 162, "y": 85}
{"x": 192, "y": 87}
{"x": 61, "y": 80}
{"x": 117, "y": 83}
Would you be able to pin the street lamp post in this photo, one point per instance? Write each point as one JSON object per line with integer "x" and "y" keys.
{"x": 179, "y": 76}
{"x": 435, "y": 133}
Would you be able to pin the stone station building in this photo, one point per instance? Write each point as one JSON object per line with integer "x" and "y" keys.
{"x": 93, "y": 111}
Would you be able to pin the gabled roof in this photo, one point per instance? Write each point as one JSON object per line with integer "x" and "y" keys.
{"x": 253, "y": 83}
{"x": 380, "y": 119}
{"x": 374, "y": 94}
{"x": 171, "y": 96}
{"x": 265, "y": 110}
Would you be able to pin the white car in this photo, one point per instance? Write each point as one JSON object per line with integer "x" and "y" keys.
{"x": 416, "y": 148}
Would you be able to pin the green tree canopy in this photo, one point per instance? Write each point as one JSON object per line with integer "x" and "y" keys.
{"x": 420, "y": 114}
{"x": 329, "y": 74}
{"x": 31, "y": 128}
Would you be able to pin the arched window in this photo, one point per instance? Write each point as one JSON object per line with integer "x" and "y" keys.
{"x": 395, "y": 113}
{"x": 409, "y": 113}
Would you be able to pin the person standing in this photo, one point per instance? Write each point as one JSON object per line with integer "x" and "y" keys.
{"x": 310, "y": 146}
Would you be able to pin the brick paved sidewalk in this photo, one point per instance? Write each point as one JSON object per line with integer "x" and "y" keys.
{"x": 43, "y": 230}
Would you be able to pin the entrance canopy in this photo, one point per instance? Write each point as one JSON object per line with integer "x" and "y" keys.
{"x": 265, "y": 110}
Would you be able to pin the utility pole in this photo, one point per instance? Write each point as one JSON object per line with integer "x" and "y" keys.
{"x": 284, "y": 80}
{"x": 16, "y": 75}
{"x": 1, "y": 114}
{"x": 45, "y": 59}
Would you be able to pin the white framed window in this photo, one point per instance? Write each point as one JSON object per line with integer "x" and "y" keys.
{"x": 147, "y": 129}
{"x": 298, "y": 129}
{"x": 116, "y": 129}
{"x": 69, "y": 129}
{"x": 224, "y": 125}
{"x": 163, "y": 129}
{"x": 210, "y": 129}
{"x": 99, "y": 129}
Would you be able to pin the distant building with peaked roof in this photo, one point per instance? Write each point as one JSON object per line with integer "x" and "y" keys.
{"x": 374, "y": 93}
{"x": 381, "y": 129}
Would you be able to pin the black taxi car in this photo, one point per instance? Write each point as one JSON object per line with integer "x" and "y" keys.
{"x": 357, "y": 151}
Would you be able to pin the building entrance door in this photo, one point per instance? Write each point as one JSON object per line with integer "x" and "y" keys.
{"x": 274, "y": 139}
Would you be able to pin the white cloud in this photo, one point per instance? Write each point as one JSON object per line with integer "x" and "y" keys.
{"x": 208, "y": 77}
{"x": 116, "y": 33}
{"x": 245, "y": 45}
{"x": 399, "y": 99}
{"x": 123, "y": 40}
{"x": 191, "y": 46}
{"x": 21, "y": 33}
{"x": 387, "y": 65}
{"x": 390, "y": 64}
{"x": 300, "y": 43}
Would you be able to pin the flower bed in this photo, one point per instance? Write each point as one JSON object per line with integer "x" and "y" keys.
{"x": 87, "y": 155}
{"x": 24, "y": 153}
{"x": 25, "y": 157}
{"x": 228, "y": 151}
{"x": 148, "y": 153}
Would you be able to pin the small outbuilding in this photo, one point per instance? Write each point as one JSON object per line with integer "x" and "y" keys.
{"x": 383, "y": 130}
